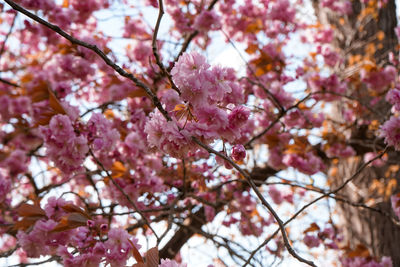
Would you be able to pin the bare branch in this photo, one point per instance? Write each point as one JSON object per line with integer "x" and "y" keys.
{"x": 261, "y": 197}
{"x": 355, "y": 175}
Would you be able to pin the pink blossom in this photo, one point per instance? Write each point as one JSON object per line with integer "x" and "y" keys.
{"x": 395, "y": 199}
{"x": 5, "y": 187}
{"x": 379, "y": 162}
{"x": 170, "y": 263}
{"x": 63, "y": 146}
{"x": 166, "y": 135}
{"x": 21, "y": 105}
{"x": 187, "y": 64}
{"x": 61, "y": 127}
{"x": 340, "y": 150}
{"x": 330, "y": 56}
{"x": 275, "y": 194}
{"x": 311, "y": 241}
{"x": 39, "y": 241}
{"x": 134, "y": 28}
{"x": 390, "y": 130}
{"x": 189, "y": 74}
{"x": 238, "y": 153}
{"x": 170, "y": 98}
{"x": 366, "y": 262}
{"x": 379, "y": 80}
{"x": 321, "y": 86}
{"x": 282, "y": 10}
{"x": 54, "y": 209}
{"x": 16, "y": 162}
{"x": 307, "y": 163}
{"x": 393, "y": 97}
{"x": 324, "y": 36}
{"x": 238, "y": 116}
{"x": 215, "y": 118}
{"x": 102, "y": 133}
{"x": 207, "y": 20}
{"x": 119, "y": 246}
{"x": 343, "y": 7}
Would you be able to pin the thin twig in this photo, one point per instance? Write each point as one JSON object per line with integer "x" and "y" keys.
{"x": 53, "y": 258}
{"x": 261, "y": 197}
{"x": 155, "y": 50}
{"x": 190, "y": 38}
{"x": 8, "y": 253}
{"x": 355, "y": 175}
{"x": 277, "y": 119}
{"x": 9, "y": 83}
{"x": 124, "y": 193}
{"x": 7, "y": 36}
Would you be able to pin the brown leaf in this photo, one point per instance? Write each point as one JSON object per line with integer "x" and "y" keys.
{"x": 360, "y": 251}
{"x": 55, "y": 104}
{"x": 71, "y": 221}
{"x": 71, "y": 208}
{"x": 137, "y": 93}
{"x": 118, "y": 169}
{"x": 313, "y": 227}
{"x": 26, "y": 223}
{"x": 28, "y": 210}
{"x": 152, "y": 257}
{"x": 137, "y": 256}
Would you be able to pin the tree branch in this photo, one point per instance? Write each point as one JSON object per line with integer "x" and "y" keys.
{"x": 96, "y": 50}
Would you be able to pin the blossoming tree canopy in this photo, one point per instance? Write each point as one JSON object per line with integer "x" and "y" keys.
{"x": 123, "y": 142}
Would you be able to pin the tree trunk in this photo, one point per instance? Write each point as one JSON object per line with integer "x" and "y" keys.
{"x": 360, "y": 226}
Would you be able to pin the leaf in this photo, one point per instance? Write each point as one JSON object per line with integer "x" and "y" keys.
{"x": 26, "y": 222}
{"x": 313, "y": 227}
{"x": 136, "y": 255}
{"x": 65, "y": 3}
{"x": 118, "y": 169}
{"x": 31, "y": 214}
{"x": 152, "y": 257}
{"x": 252, "y": 48}
{"x": 71, "y": 208}
{"x": 71, "y": 221}
{"x": 360, "y": 251}
{"x": 380, "y": 35}
{"x": 28, "y": 210}
{"x": 137, "y": 93}
{"x": 54, "y": 103}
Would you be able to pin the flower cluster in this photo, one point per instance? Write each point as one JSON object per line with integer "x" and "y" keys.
{"x": 205, "y": 109}
{"x": 64, "y": 147}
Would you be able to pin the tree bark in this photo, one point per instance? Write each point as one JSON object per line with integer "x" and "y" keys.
{"x": 376, "y": 232}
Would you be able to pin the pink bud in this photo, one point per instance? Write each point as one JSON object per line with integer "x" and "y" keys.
{"x": 238, "y": 153}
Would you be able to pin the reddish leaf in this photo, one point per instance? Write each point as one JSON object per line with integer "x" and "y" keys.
{"x": 360, "y": 251}
{"x": 137, "y": 93}
{"x": 71, "y": 221}
{"x": 136, "y": 255}
{"x": 313, "y": 227}
{"x": 55, "y": 104}
{"x": 71, "y": 208}
{"x": 152, "y": 257}
{"x": 28, "y": 210}
{"x": 26, "y": 222}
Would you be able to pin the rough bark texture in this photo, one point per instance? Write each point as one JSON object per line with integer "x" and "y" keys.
{"x": 361, "y": 226}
